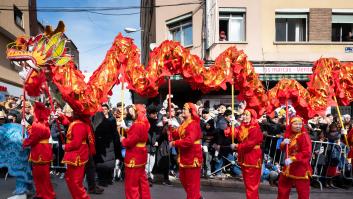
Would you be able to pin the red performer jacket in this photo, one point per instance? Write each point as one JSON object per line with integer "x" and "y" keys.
{"x": 135, "y": 144}
{"x": 249, "y": 150}
{"x": 188, "y": 140}
{"x": 38, "y": 140}
{"x": 299, "y": 150}
{"x": 76, "y": 148}
{"x": 350, "y": 143}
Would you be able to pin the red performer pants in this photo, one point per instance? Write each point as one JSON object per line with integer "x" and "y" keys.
{"x": 190, "y": 179}
{"x": 285, "y": 184}
{"x": 41, "y": 177}
{"x": 136, "y": 184}
{"x": 251, "y": 181}
{"x": 74, "y": 180}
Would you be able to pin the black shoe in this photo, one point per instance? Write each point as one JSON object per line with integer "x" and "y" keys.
{"x": 102, "y": 184}
{"x": 97, "y": 190}
{"x": 167, "y": 182}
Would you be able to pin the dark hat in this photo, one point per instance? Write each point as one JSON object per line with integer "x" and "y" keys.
{"x": 152, "y": 109}
{"x": 205, "y": 111}
{"x": 227, "y": 113}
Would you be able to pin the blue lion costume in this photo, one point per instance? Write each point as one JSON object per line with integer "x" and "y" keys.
{"x": 15, "y": 158}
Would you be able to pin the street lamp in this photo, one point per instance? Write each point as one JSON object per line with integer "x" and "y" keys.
{"x": 131, "y": 30}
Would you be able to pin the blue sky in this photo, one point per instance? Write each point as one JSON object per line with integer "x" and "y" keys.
{"x": 93, "y": 34}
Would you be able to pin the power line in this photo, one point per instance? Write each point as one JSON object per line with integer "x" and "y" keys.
{"x": 91, "y": 9}
{"x": 120, "y": 14}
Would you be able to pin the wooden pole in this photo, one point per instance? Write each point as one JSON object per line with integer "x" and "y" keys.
{"x": 170, "y": 105}
{"x": 122, "y": 107}
{"x": 233, "y": 112}
{"x": 287, "y": 123}
{"x": 340, "y": 117}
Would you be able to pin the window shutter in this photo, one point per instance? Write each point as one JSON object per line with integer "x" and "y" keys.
{"x": 211, "y": 22}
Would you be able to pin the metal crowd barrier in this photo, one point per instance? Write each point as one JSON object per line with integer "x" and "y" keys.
{"x": 56, "y": 164}
{"x": 324, "y": 155}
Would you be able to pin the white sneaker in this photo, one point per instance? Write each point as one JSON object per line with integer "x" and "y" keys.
{"x": 23, "y": 196}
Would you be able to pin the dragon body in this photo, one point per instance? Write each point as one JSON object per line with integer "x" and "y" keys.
{"x": 46, "y": 57}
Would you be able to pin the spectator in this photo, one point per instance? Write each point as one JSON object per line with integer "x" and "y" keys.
{"x": 57, "y": 131}
{"x": 152, "y": 143}
{"x": 349, "y": 36}
{"x": 28, "y": 114}
{"x": 347, "y": 122}
{"x": 223, "y": 146}
{"x": 106, "y": 136}
{"x": 163, "y": 153}
{"x": 208, "y": 131}
{"x": 12, "y": 117}
{"x": 2, "y": 117}
{"x": 222, "y": 36}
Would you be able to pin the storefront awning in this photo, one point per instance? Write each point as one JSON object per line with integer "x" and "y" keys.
{"x": 277, "y": 77}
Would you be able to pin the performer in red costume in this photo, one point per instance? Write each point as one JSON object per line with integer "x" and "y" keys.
{"x": 250, "y": 137}
{"x": 41, "y": 152}
{"x": 350, "y": 143}
{"x": 136, "y": 184}
{"x": 76, "y": 154}
{"x": 187, "y": 138}
{"x": 297, "y": 169}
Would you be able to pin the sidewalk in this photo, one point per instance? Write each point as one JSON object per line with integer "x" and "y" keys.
{"x": 237, "y": 185}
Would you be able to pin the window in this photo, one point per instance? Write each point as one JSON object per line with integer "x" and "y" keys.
{"x": 342, "y": 27}
{"x": 18, "y": 16}
{"x": 180, "y": 29}
{"x": 291, "y": 27}
{"x": 232, "y": 24}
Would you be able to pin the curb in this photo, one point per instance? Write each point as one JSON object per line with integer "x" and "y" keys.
{"x": 237, "y": 185}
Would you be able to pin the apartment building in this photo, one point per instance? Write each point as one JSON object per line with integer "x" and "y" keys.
{"x": 19, "y": 17}
{"x": 282, "y": 38}
{"x": 14, "y": 20}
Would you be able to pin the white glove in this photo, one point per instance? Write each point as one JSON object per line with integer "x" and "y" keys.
{"x": 286, "y": 141}
{"x": 205, "y": 149}
{"x": 322, "y": 149}
{"x": 344, "y": 131}
{"x": 216, "y": 153}
{"x": 232, "y": 162}
{"x": 163, "y": 111}
{"x": 173, "y": 123}
{"x": 288, "y": 161}
{"x": 232, "y": 146}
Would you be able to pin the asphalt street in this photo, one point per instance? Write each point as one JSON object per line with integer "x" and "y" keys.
{"x": 176, "y": 191}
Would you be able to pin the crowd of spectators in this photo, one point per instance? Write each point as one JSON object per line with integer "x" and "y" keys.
{"x": 219, "y": 160}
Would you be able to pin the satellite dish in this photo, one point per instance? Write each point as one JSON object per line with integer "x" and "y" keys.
{"x": 152, "y": 46}
{"x": 130, "y": 30}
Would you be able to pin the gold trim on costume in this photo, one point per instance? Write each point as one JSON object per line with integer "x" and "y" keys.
{"x": 38, "y": 161}
{"x": 76, "y": 163}
{"x": 44, "y": 141}
{"x": 141, "y": 144}
{"x": 296, "y": 119}
{"x": 132, "y": 164}
{"x": 195, "y": 164}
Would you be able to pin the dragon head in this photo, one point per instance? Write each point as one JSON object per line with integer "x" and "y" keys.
{"x": 37, "y": 53}
{"x": 34, "y": 55}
